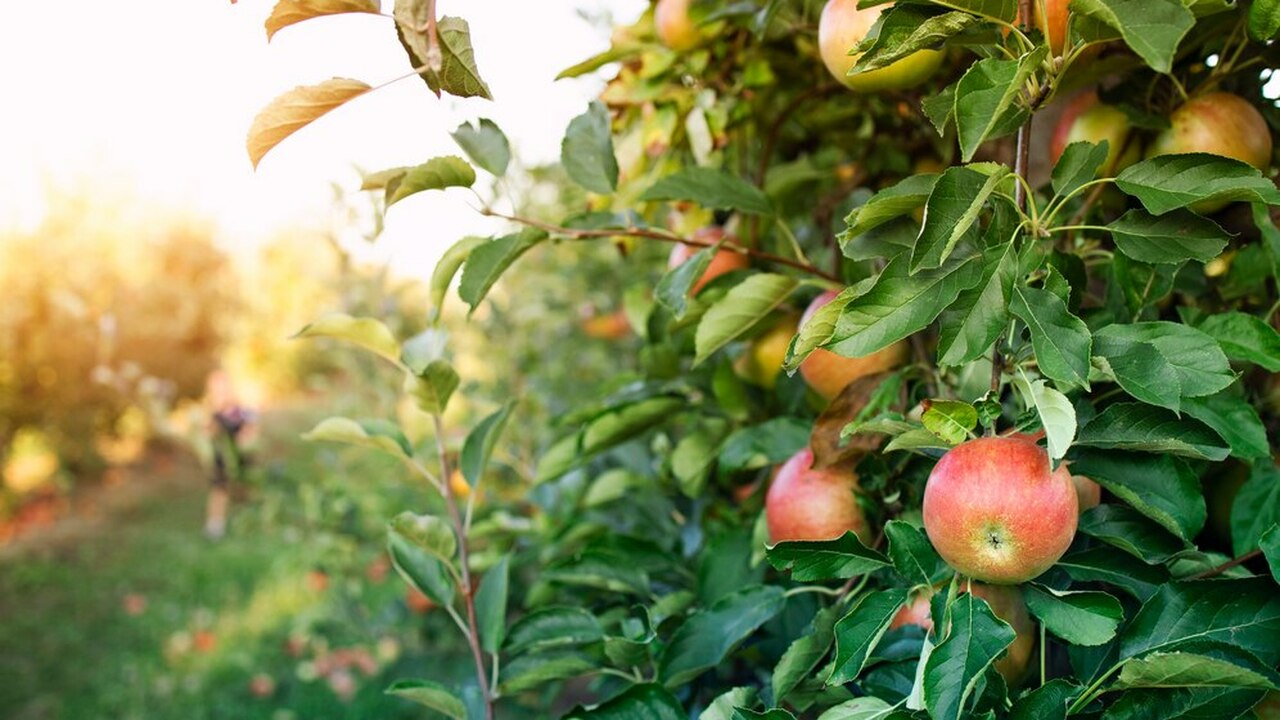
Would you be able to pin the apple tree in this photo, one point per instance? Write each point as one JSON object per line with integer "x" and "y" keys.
{"x": 936, "y": 413}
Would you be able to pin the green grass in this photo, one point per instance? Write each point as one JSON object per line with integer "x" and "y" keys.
{"x": 68, "y": 648}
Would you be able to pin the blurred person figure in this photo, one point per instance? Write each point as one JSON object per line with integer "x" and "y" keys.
{"x": 230, "y": 426}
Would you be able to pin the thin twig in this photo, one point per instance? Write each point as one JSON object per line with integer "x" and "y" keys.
{"x": 1234, "y": 562}
{"x": 661, "y": 236}
{"x": 468, "y": 590}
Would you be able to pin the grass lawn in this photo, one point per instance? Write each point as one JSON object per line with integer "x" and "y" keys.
{"x": 139, "y": 616}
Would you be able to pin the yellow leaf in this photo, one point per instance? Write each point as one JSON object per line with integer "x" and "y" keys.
{"x": 295, "y": 110}
{"x": 290, "y": 12}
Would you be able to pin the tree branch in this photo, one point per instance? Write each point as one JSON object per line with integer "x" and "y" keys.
{"x": 662, "y": 236}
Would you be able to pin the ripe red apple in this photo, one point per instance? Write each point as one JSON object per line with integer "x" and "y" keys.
{"x": 675, "y": 28}
{"x": 807, "y": 504}
{"x": 1088, "y": 492}
{"x": 762, "y": 361}
{"x": 724, "y": 261}
{"x": 996, "y": 511}
{"x": 1221, "y": 124}
{"x": 1007, "y": 604}
{"x": 828, "y": 373}
{"x": 842, "y": 26}
{"x": 418, "y": 602}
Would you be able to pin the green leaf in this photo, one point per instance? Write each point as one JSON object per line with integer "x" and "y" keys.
{"x": 1159, "y": 486}
{"x": 1234, "y": 420}
{"x": 435, "y": 174}
{"x": 1104, "y": 564}
{"x": 803, "y": 655}
{"x": 479, "y": 444}
{"x": 600, "y": 570}
{"x": 447, "y": 267}
{"x": 296, "y": 109}
{"x": 1270, "y": 234}
{"x": 364, "y": 332}
{"x": 951, "y": 211}
{"x": 905, "y": 29}
{"x": 1175, "y": 237}
{"x": 710, "y": 188}
{"x": 1270, "y": 545}
{"x": 377, "y": 434}
{"x": 456, "y": 73}
{"x": 427, "y": 532}
{"x": 675, "y": 285}
{"x": 1135, "y": 426}
{"x": 888, "y": 204}
{"x": 489, "y": 260}
{"x": 1081, "y": 618}
{"x": 1243, "y": 337}
{"x": 627, "y": 421}
{"x": 913, "y": 556}
{"x": 1127, "y": 529}
{"x": 1183, "y": 703}
{"x": 432, "y": 388}
{"x": 587, "y": 150}
{"x": 1057, "y": 414}
{"x": 722, "y": 708}
{"x": 985, "y": 100}
{"x": 746, "y": 304}
{"x": 485, "y": 144}
{"x": 1256, "y": 507}
{"x": 1244, "y": 613}
{"x": 1264, "y": 20}
{"x": 899, "y": 304}
{"x": 1080, "y": 163}
{"x": 694, "y": 457}
{"x": 291, "y": 12}
{"x": 818, "y": 560}
{"x": 863, "y": 708}
{"x": 1201, "y": 366}
{"x": 705, "y": 639}
{"x": 1002, "y": 10}
{"x": 941, "y": 108}
{"x": 1151, "y": 28}
{"x": 979, "y": 314}
{"x": 430, "y": 694}
{"x": 1139, "y": 368}
{"x": 769, "y": 443}
{"x": 491, "y": 605}
{"x": 951, "y": 420}
{"x": 1062, "y": 341}
{"x": 1047, "y": 702}
{"x": 1169, "y": 182}
{"x": 858, "y": 632}
{"x": 596, "y": 62}
{"x": 819, "y": 328}
{"x": 553, "y": 627}
{"x": 1183, "y": 669}
{"x": 529, "y": 671}
{"x": 420, "y": 569}
{"x": 955, "y": 666}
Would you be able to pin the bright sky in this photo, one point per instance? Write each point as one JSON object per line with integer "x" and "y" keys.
{"x": 157, "y": 95}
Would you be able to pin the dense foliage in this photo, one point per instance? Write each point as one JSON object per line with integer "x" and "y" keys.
{"x": 1111, "y": 320}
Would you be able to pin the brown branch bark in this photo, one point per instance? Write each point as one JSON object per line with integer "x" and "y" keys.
{"x": 1234, "y": 562}
{"x": 661, "y": 236}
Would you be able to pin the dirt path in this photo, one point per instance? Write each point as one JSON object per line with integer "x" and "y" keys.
{"x": 90, "y": 513}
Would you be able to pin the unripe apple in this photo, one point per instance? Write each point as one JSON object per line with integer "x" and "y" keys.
{"x": 1088, "y": 492}
{"x": 807, "y": 504}
{"x": 1087, "y": 120}
{"x": 675, "y": 28}
{"x": 828, "y": 373}
{"x": 762, "y": 361}
{"x": 724, "y": 261}
{"x": 997, "y": 512}
{"x": 842, "y": 26}
{"x": 1221, "y": 124}
{"x": 1007, "y": 604}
